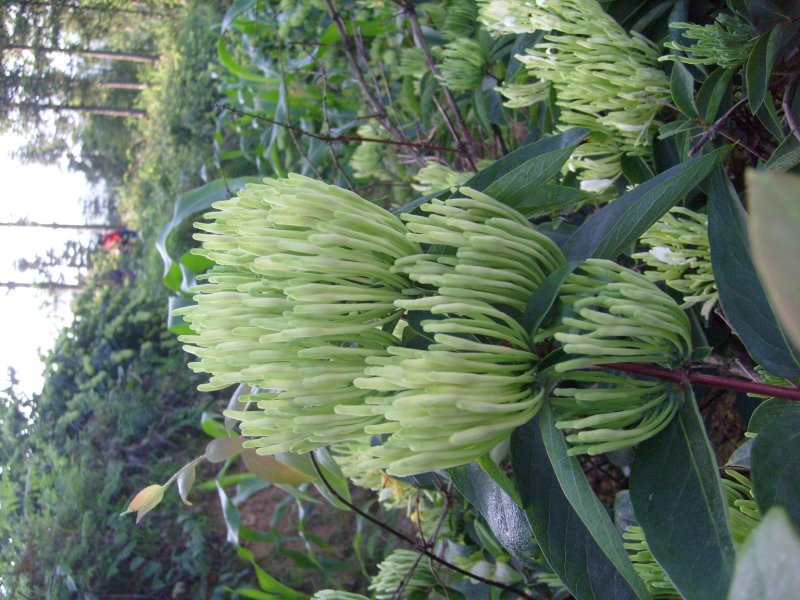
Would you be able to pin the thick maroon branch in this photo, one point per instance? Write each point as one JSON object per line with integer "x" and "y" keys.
{"x": 716, "y": 381}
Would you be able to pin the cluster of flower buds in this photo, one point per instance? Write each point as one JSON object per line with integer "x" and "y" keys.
{"x": 726, "y": 42}
{"x": 298, "y": 301}
{"x": 328, "y": 305}
{"x": 679, "y": 254}
{"x": 605, "y": 78}
{"x": 393, "y": 575}
{"x": 464, "y": 64}
{"x": 611, "y": 411}
{"x": 454, "y": 400}
{"x": 618, "y": 315}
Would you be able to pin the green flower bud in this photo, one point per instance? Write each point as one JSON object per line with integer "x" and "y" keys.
{"x": 393, "y": 573}
{"x": 464, "y": 394}
{"x": 680, "y": 255}
{"x": 435, "y": 177}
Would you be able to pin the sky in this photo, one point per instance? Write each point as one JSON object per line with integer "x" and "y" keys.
{"x": 45, "y": 194}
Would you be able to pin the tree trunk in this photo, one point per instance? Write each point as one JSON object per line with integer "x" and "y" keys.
{"x": 121, "y": 85}
{"x": 51, "y": 285}
{"x": 84, "y": 226}
{"x": 94, "y": 110}
{"x": 100, "y": 54}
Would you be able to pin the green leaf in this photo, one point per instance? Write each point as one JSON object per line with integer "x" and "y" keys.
{"x": 490, "y": 467}
{"x": 740, "y": 292}
{"x": 548, "y": 199}
{"x": 584, "y": 502}
{"x": 635, "y": 169}
{"x": 545, "y": 159}
{"x": 334, "y": 477}
{"x": 762, "y": 60}
{"x": 522, "y": 165}
{"x": 564, "y": 540}
{"x": 541, "y": 302}
{"x": 767, "y": 565}
{"x": 774, "y": 201}
{"x": 238, "y": 69}
{"x": 677, "y": 497}
{"x": 681, "y": 85}
{"x": 221, "y": 449}
{"x": 238, "y": 7}
{"x": 774, "y": 408}
{"x": 185, "y": 483}
{"x": 609, "y": 231}
{"x": 212, "y": 427}
{"x": 712, "y": 93}
{"x": 776, "y": 464}
{"x": 187, "y": 205}
{"x": 785, "y": 157}
{"x": 506, "y": 520}
{"x": 267, "y": 582}
{"x": 230, "y": 513}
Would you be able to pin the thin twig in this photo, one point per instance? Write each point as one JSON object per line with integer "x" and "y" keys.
{"x": 369, "y": 93}
{"x": 418, "y": 547}
{"x": 334, "y": 139}
{"x": 419, "y": 40}
{"x": 714, "y": 128}
{"x": 714, "y": 381}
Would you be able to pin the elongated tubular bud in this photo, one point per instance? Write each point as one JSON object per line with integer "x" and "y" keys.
{"x": 296, "y": 304}
{"x": 464, "y": 394}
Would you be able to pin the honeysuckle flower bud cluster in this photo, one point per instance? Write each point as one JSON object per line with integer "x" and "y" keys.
{"x": 605, "y": 78}
{"x": 615, "y": 315}
{"x": 611, "y": 411}
{"x": 726, "y": 42}
{"x": 455, "y": 400}
{"x": 679, "y": 254}
{"x": 464, "y": 64}
{"x": 618, "y": 315}
{"x": 337, "y": 595}
{"x": 435, "y": 177}
{"x": 328, "y": 305}
{"x": 296, "y": 302}
{"x": 393, "y": 573}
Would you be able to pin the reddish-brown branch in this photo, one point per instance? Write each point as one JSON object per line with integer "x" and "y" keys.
{"x": 716, "y": 381}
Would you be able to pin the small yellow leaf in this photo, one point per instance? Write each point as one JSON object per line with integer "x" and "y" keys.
{"x": 272, "y": 470}
{"x": 145, "y": 501}
{"x": 185, "y": 482}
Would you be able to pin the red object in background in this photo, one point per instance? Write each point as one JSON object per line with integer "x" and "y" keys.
{"x": 111, "y": 240}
